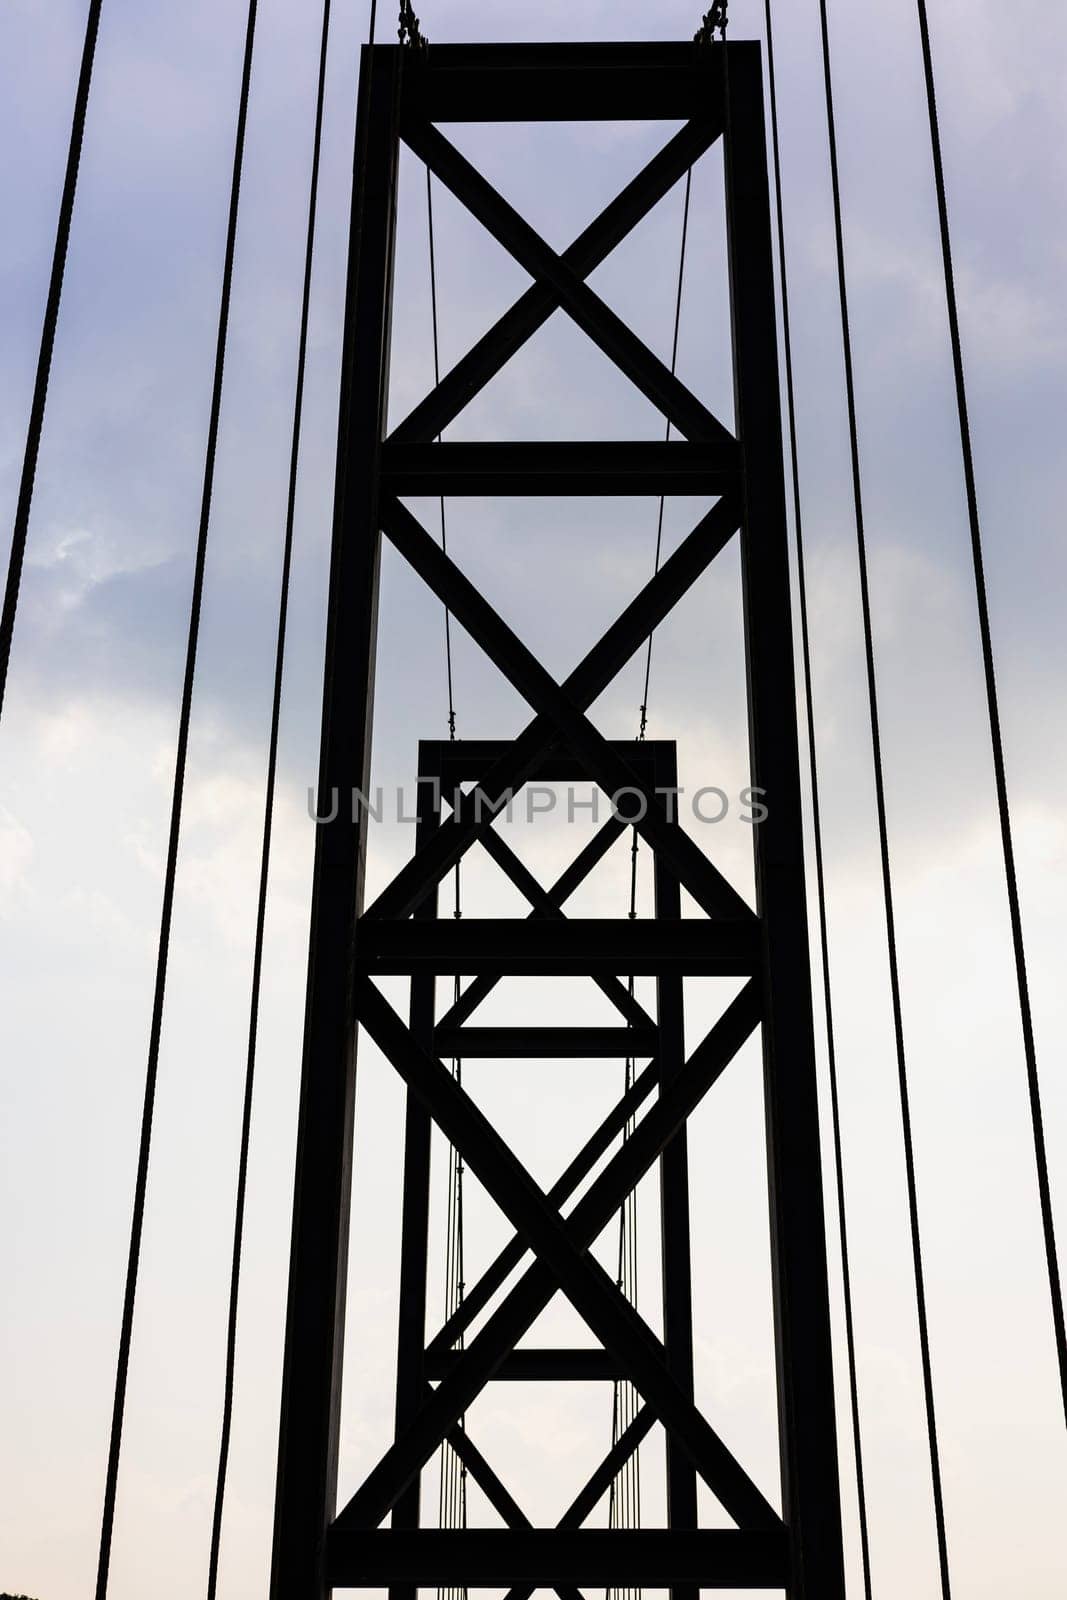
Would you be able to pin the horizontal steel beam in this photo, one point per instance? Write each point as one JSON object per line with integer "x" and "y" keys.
{"x": 575, "y": 948}
{"x": 547, "y": 1044}
{"x": 572, "y": 82}
{"x": 599, "y": 467}
{"x": 714, "y": 1558}
{"x": 456, "y": 761}
{"x": 540, "y": 1366}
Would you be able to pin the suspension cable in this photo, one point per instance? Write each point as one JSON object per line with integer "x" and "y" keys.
{"x": 883, "y": 832}
{"x": 624, "y": 1494}
{"x": 667, "y": 439}
{"x": 35, "y": 425}
{"x": 441, "y": 502}
{"x": 992, "y": 702}
{"x": 268, "y": 826}
{"x": 163, "y": 948}
{"x": 452, "y": 1481}
{"x": 816, "y": 813}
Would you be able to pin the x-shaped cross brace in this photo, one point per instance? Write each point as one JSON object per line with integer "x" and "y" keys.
{"x": 692, "y": 419}
{"x": 585, "y": 1500}
{"x": 494, "y": 1490}
{"x": 561, "y": 1247}
{"x": 548, "y": 903}
{"x": 478, "y": 1296}
{"x": 496, "y": 347}
{"x": 501, "y": 1499}
{"x": 561, "y": 713}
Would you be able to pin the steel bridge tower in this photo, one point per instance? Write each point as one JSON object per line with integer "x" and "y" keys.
{"x": 714, "y": 91}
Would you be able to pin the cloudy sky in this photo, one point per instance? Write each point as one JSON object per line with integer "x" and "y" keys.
{"x": 86, "y": 751}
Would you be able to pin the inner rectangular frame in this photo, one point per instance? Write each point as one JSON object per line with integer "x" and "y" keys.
{"x": 443, "y": 766}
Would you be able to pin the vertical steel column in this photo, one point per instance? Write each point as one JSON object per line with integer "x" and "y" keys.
{"x": 810, "y": 1485}
{"x": 675, "y": 1250}
{"x": 411, "y": 1336}
{"x": 311, "y": 1379}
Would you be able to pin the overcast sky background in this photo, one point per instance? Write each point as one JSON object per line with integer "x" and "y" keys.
{"x": 86, "y": 752}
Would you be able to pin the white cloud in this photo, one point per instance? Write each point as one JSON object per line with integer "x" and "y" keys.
{"x": 16, "y": 855}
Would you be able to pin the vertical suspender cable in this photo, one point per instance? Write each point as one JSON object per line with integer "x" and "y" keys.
{"x": 1007, "y": 844}
{"x": 820, "y": 877}
{"x": 268, "y": 827}
{"x": 48, "y": 339}
{"x": 624, "y": 1495}
{"x": 883, "y": 832}
{"x": 170, "y": 872}
{"x": 437, "y": 380}
{"x": 667, "y": 437}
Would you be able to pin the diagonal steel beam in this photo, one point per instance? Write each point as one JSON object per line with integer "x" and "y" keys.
{"x": 478, "y": 1296}
{"x": 593, "y": 674}
{"x": 611, "y": 770}
{"x": 692, "y": 419}
{"x": 488, "y": 1481}
{"x": 533, "y": 309}
{"x": 565, "y": 1264}
{"x": 616, "y": 1458}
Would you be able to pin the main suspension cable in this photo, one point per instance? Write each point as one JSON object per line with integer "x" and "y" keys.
{"x": 35, "y": 425}
{"x": 816, "y": 814}
{"x": 170, "y": 873}
{"x": 268, "y": 826}
{"x": 992, "y": 702}
{"x": 883, "y": 831}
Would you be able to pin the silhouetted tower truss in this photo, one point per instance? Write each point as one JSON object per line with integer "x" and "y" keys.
{"x": 404, "y": 94}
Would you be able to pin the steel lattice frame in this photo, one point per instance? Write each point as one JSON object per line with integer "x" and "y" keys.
{"x": 403, "y": 94}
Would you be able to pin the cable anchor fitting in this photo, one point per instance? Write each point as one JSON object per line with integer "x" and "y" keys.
{"x": 713, "y": 19}
{"x": 409, "y": 31}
